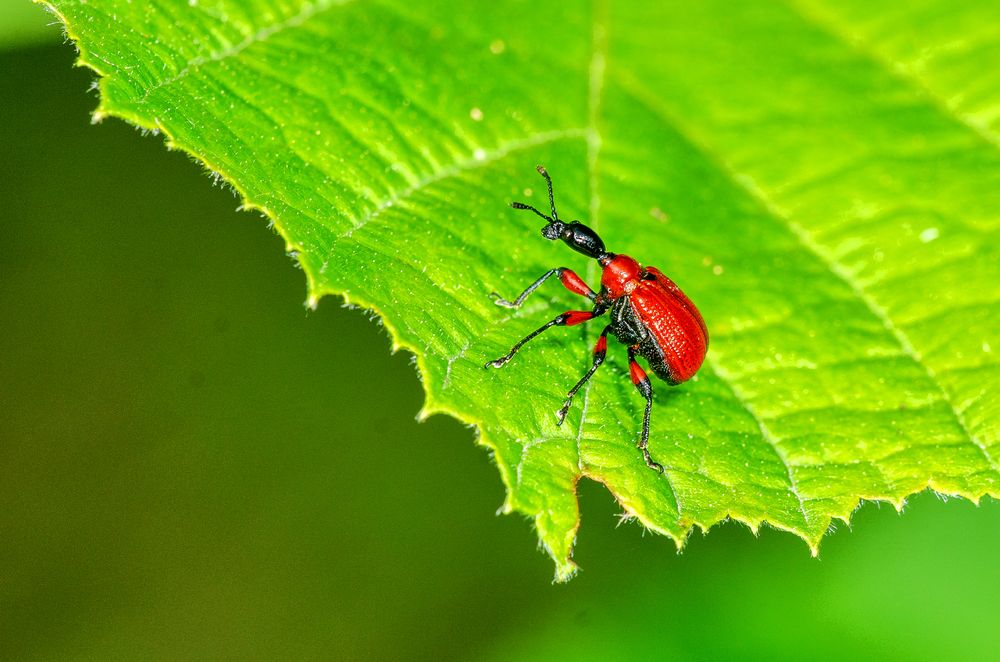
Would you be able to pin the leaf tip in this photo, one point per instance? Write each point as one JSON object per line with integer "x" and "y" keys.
{"x": 565, "y": 571}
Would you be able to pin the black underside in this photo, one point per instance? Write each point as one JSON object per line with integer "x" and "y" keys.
{"x": 649, "y": 350}
{"x": 630, "y": 331}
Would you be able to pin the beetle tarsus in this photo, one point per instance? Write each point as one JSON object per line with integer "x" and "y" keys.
{"x": 655, "y": 466}
{"x": 498, "y": 363}
{"x": 500, "y": 301}
{"x": 561, "y": 414}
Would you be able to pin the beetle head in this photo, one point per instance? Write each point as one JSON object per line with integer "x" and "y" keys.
{"x": 576, "y": 235}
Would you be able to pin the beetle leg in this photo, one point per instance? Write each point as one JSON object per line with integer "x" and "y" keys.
{"x": 570, "y": 281}
{"x": 642, "y": 384}
{"x": 569, "y": 318}
{"x": 600, "y": 351}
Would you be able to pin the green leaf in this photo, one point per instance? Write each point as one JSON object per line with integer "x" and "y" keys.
{"x": 822, "y": 179}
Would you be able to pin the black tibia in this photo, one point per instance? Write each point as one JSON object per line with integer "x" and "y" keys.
{"x": 646, "y": 389}
{"x": 500, "y": 301}
{"x": 569, "y": 317}
{"x": 600, "y": 351}
{"x": 516, "y": 303}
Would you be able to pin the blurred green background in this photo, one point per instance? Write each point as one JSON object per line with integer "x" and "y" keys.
{"x": 192, "y": 466}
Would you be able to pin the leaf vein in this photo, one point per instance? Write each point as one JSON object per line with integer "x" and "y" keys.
{"x": 264, "y": 33}
{"x": 897, "y": 69}
{"x": 458, "y": 168}
{"x": 765, "y": 433}
{"x": 595, "y": 88}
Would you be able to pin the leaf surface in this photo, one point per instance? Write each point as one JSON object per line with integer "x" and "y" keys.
{"x": 821, "y": 180}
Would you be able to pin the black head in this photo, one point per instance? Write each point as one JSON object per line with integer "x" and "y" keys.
{"x": 577, "y": 236}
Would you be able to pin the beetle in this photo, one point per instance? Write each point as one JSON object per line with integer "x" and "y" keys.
{"x": 649, "y": 315}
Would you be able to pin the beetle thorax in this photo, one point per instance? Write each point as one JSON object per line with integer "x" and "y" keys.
{"x": 621, "y": 276}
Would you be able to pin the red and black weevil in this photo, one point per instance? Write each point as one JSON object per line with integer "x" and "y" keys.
{"x": 649, "y": 314}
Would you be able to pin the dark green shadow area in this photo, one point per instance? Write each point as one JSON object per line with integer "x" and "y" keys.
{"x": 193, "y": 464}
{"x": 195, "y": 467}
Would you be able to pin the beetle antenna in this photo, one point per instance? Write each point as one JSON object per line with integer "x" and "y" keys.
{"x": 552, "y": 199}
{"x": 521, "y": 205}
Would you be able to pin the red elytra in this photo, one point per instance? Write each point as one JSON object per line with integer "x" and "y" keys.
{"x": 649, "y": 314}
